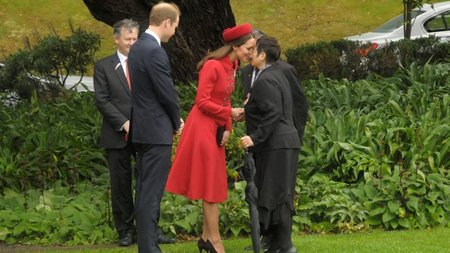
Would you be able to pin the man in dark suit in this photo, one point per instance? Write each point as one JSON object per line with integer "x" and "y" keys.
{"x": 299, "y": 101}
{"x": 155, "y": 119}
{"x": 300, "y": 104}
{"x": 113, "y": 100}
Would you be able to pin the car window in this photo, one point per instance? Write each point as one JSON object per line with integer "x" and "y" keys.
{"x": 438, "y": 23}
{"x": 396, "y": 22}
{"x": 447, "y": 19}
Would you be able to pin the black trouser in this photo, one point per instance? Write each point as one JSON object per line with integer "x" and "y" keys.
{"x": 279, "y": 235}
{"x": 121, "y": 178}
{"x": 153, "y": 165}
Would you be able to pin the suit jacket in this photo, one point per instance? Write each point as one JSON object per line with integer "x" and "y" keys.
{"x": 156, "y": 111}
{"x": 268, "y": 113}
{"x": 299, "y": 101}
{"x": 113, "y": 100}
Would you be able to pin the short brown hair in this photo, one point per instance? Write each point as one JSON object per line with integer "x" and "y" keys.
{"x": 127, "y": 24}
{"x": 162, "y": 11}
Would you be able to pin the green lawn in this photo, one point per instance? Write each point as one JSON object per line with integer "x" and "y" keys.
{"x": 296, "y": 22}
{"x": 412, "y": 241}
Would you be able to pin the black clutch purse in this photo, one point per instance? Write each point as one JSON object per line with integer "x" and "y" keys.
{"x": 219, "y": 134}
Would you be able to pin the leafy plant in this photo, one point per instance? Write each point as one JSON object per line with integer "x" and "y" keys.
{"x": 45, "y": 67}
{"x": 56, "y": 217}
{"x": 43, "y": 142}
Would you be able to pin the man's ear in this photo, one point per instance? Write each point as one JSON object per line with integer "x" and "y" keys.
{"x": 263, "y": 54}
{"x": 168, "y": 23}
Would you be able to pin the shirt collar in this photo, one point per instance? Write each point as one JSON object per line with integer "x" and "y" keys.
{"x": 121, "y": 56}
{"x": 154, "y": 35}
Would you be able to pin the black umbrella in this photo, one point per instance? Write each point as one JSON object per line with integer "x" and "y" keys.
{"x": 251, "y": 196}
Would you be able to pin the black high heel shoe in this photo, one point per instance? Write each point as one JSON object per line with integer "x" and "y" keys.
{"x": 205, "y": 245}
{"x": 201, "y": 245}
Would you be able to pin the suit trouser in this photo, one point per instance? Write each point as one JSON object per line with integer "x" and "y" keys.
{"x": 121, "y": 178}
{"x": 153, "y": 165}
{"x": 276, "y": 220}
{"x": 280, "y": 234}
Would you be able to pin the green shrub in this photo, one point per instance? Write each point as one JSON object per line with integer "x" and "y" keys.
{"x": 352, "y": 60}
{"x": 314, "y": 59}
{"x": 43, "y": 141}
{"x": 44, "y": 67}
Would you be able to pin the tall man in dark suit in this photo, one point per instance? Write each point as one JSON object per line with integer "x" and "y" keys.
{"x": 113, "y": 100}
{"x": 155, "y": 119}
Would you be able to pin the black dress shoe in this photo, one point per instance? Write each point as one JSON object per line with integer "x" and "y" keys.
{"x": 162, "y": 239}
{"x": 127, "y": 240}
{"x": 265, "y": 243}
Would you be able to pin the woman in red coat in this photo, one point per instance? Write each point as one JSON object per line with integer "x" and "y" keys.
{"x": 199, "y": 168}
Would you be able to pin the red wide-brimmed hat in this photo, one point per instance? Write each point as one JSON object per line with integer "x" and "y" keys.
{"x": 236, "y": 32}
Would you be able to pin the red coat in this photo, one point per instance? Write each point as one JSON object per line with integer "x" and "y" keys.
{"x": 199, "y": 167}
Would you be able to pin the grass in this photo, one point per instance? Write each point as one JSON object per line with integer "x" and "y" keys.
{"x": 296, "y": 22}
{"x": 37, "y": 18}
{"x": 293, "y": 22}
{"x": 410, "y": 241}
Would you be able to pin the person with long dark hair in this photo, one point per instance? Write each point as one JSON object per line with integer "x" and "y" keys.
{"x": 199, "y": 168}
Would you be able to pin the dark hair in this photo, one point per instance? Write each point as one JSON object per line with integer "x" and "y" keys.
{"x": 162, "y": 11}
{"x": 257, "y": 33}
{"x": 270, "y": 47}
{"x": 224, "y": 50}
{"x": 127, "y": 24}
{"x": 216, "y": 54}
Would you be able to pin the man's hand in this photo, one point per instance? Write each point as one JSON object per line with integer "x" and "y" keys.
{"x": 181, "y": 127}
{"x": 237, "y": 114}
{"x": 247, "y": 142}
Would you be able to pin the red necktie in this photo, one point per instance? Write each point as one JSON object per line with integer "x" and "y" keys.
{"x": 127, "y": 74}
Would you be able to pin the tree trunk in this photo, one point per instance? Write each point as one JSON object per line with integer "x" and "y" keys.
{"x": 200, "y": 28}
{"x": 408, "y": 6}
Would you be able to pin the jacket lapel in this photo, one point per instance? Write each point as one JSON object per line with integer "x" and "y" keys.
{"x": 118, "y": 69}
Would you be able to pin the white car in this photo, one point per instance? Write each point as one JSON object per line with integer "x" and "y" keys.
{"x": 85, "y": 83}
{"x": 82, "y": 84}
{"x": 429, "y": 20}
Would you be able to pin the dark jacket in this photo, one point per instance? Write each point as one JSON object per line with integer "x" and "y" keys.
{"x": 113, "y": 100}
{"x": 299, "y": 101}
{"x": 268, "y": 113}
{"x": 156, "y": 111}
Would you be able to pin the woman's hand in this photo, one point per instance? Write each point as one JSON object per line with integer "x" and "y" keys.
{"x": 226, "y": 137}
{"x": 247, "y": 142}
{"x": 180, "y": 129}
